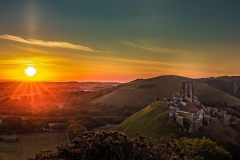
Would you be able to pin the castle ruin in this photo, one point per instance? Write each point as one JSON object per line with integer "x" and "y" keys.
{"x": 187, "y": 91}
{"x": 191, "y": 122}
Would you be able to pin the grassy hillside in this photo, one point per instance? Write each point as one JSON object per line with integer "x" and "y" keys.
{"x": 143, "y": 91}
{"x": 153, "y": 122}
{"x": 218, "y": 131}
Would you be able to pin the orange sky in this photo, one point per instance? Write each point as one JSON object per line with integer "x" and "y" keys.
{"x": 54, "y": 64}
{"x": 118, "y": 41}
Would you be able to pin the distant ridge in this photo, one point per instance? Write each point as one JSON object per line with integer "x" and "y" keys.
{"x": 142, "y": 92}
{"x": 227, "y": 84}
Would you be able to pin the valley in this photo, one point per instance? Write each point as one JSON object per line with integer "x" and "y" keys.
{"x": 136, "y": 108}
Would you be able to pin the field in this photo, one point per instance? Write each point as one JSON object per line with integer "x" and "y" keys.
{"x": 30, "y": 144}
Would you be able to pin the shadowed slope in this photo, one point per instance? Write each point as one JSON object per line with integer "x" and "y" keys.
{"x": 143, "y": 91}
{"x": 229, "y": 85}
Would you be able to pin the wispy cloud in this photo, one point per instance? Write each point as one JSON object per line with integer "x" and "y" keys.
{"x": 48, "y": 64}
{"x": 177, "y": 70}
{"x": 141, "y": 46}
{"x": 30, "y": 49}
{"x": 139, "y": 61}
{"x": 147, "y": 46}
{"x": 222, "y": 69}
{"x": 53, "y": 44}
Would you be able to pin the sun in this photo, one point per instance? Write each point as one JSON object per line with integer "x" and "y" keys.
{"x": 30, "y": 71}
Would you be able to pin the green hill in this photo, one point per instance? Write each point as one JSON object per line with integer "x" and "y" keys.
{"x": 153, "y": 122}
{"x": 142, "y": 92}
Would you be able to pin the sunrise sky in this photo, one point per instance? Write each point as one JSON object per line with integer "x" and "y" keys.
{"x": 118, "y": 40}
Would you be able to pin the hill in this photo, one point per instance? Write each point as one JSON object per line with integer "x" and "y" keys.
{"x": 227, "y": 84}
{"x": 142, "y": 92}
{"x": 153, "y": 122}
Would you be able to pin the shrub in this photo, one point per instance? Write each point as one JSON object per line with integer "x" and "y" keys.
{"x": 117, "y": 146}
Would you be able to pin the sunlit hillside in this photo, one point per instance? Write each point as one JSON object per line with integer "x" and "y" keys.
{"x": 143, "y": 91}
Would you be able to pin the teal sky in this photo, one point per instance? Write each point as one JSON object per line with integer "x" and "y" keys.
{"x": 117, "y": 40}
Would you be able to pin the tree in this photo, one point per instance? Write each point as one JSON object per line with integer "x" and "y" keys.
{"x": 4, "y": 126}
{"x": 37, "y": 125}
{"x": 201, "y": 147}
{"x": 29, "y": 121}
{"x": 117, "y": 146}
{"x": 66, "y": 111}
{"x": 89, "y": 125}
{"x": 14, "y": 123}
{"x": 46, "y": 126}
{"x": 58, "y": 127}
{"x": 26, "y": 127}
{"x": 75, "y": 129}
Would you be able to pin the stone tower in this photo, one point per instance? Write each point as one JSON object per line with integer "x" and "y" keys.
{"x": 187, "y": 91}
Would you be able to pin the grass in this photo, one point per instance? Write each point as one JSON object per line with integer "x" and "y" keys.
{"x": 131, "y": 94}
{"x": 189, "y": 107}
{"x": 232, "y": 112}
{"x": 184, "y": 115}
{"x": 30, "y": 144}
{"x": 152, "y": 122}
{"x": 218, "y": 131}
{"x": 225, "y": 84}
{"x": 209, "y": 93}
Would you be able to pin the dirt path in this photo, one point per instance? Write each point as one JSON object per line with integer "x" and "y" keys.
{"x": 67, "y": 137}
{"x": 235, "y": 89}
{"x": 103, "y": 127}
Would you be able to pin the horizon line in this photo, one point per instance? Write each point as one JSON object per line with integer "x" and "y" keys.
{"x": 89, "y": 81}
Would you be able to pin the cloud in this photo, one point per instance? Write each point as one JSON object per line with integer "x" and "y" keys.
{"x": 30, "y": 49}
{"x": 222, "y": 69}
{"x": 146, "y": 46}
{"x": 139, "y": 61}
{"x": 53, "y": 44}
{"x": 140, "y": 46}
{"x": 48, "y": 64}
